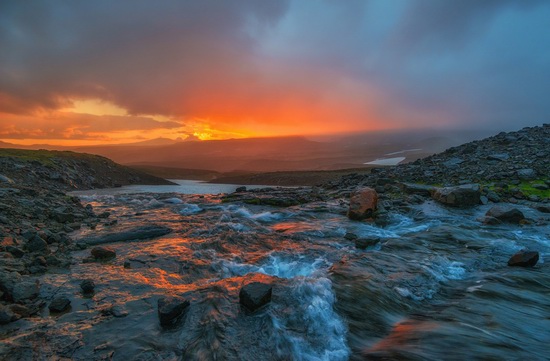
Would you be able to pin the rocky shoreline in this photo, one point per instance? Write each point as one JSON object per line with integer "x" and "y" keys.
{"x": 36, "y": 216}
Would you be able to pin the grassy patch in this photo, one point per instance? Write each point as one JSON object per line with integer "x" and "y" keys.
{"x": 528, "y": 189}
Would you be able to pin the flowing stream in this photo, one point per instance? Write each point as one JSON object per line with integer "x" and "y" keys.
{"x": 436, "y": 286}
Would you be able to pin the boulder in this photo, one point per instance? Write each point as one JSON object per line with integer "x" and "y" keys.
{"x": 25, "y": 290}
{"x": 421, "y": 189}
{"x": 254, "y": 295}
{"x": 87, "y": 286}
{"x": 137, "y": 233}
{"x": 527, "y": 174}
{"x": 170, "y": 310}
{"x": 524, "y": 259}
{"x": 363, "y": 243}
{"x": 461, "y": 196}
{"x": 103, "y": 253}
{"x": 59, "y": 304}
{"x": 240, "y": 189}
{"x": 4, "y": 179}
{"x": 363, "y": 203}
{"x": 505, "y": 214}
{"x": 6, "y": 315}
{"x": 37, "y": 244}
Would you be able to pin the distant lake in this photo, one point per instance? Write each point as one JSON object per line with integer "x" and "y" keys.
{"x": 183, "y": 187}
{"x": 387, "y": 161}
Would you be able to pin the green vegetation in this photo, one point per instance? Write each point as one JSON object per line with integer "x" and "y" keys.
{"x": 528, "y": 189}
{"x": 45, "y": 157}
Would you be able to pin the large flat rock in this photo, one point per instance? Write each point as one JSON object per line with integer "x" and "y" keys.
{"x": 132, "y": 234}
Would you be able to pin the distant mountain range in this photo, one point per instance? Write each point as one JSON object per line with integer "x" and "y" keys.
{"x": 270, "y": 154}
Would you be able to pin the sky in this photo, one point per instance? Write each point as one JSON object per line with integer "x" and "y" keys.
{"x": 102, "y": 71}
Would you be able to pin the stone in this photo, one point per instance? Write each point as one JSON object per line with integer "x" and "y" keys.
{"x": 133, "y": 234}
{"x": 505, "y": 214}
{"x": 62, "y": 215}
{"x": 527, "y": 174}
{"x": 421, "y": 189}
{"x": 171, "y": 309}
{"x": 460, "y": 196}
{"x": 499, "y": 156}
{"x": 350, "y": 236}
{"x": 543, "y": 208}
{"x": 87, "y": 286}
{"x": 25, "y": 290}
{"x": 16, "y": 252}
{"x": 6, "y": 315}
{"x": 541, "y": 186}
{"x": 255, "y": 295}
{"x": 37, "y": 244}
{"x": 4, "y": 179}
{"x": 363, "y": 243}
{"x": 240, "y": 189}
{"x": 103, "y": 253}
{"x": 59, "y": 304}
{"x": 363, "y": 203}
{"x": 524, "y": 259}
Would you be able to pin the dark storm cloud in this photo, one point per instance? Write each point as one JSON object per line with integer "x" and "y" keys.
{"x": 401, "y": 63}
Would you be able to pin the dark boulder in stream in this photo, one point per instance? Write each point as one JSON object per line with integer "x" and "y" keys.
{"x": 524, "y": 259}
{"x": 59, "y": 304}
{"x": 363, "y": 204}
{"x": 460, "y": 196}
{"x": 505, "y": 214}
{"x": 254, "y": 295}
{"x": 170, "y": 310}
{"x": 103, "y": 253}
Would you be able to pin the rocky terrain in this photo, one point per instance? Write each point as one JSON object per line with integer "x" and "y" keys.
{"x": 510, "y": 167}
{"x": 400, "y": 242}
{"x": 36, "y": 215}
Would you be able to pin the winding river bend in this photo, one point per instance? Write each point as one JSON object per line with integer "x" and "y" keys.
{"x": 436, "y": 286}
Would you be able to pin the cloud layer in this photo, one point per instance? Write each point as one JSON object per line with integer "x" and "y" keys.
{"x": 273, "y": 67}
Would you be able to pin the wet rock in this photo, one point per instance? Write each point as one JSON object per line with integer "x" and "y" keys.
{"x": 350, "y": 236}
{"x": 87, "y": 286}
{"x": 254, "y": 295}
{"x": 6, "y": 315}
{"x": 16, "y": 252}
{"x": 460, "y": 196}
{"x": 363, "y": 203}
{"x": 104, "y": 215}
{"x": 59, "y": 304}
{"x": 524, "y": 259}
{"x": 115, "y": 311}
{"x": 62, "y": 215}
{"x": 499, "y": 156}
{"x": 240, "y": 189}
{"x": 505, "y": 214}
{"x": 25, "y": 290}
{"x": 170, "y": 310}
{"x": 37, "y": 244}
{"x": 103, "y": 253}
{"x": 363, "y": 243}
{"x": 138, "y": 233}
{"x": 4, "y": 179}
{"x": 527, "y": 174}
{"x": 543, "y": 208}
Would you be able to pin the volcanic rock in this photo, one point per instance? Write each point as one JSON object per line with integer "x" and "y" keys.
{"x": 505, "y": 214}
{"x": 170, "y": 310}
{"x": 137, "y": 233}
{"x": 363, "y": 243}
{"x": 25, "y": 290}
{"x": 460, "y": 196}
{"x": 59, "y": 304}
{"x": 37, "y": 244}
{"x": 524, "y": 259}
{"x": 103, "y": 253}
{"x": 254, "y": 295}
{"x": 363, "y": 203}
{"x": 6, "y": 315}
{"x": 87, "y": 286}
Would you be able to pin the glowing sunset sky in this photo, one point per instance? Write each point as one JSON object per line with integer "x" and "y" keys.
{"x": 82, "y": 72}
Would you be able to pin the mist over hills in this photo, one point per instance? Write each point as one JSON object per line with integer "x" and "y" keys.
{"x": 275, "y": 154}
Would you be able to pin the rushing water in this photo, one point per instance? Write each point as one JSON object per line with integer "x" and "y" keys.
{"x": 436, "y": 287}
